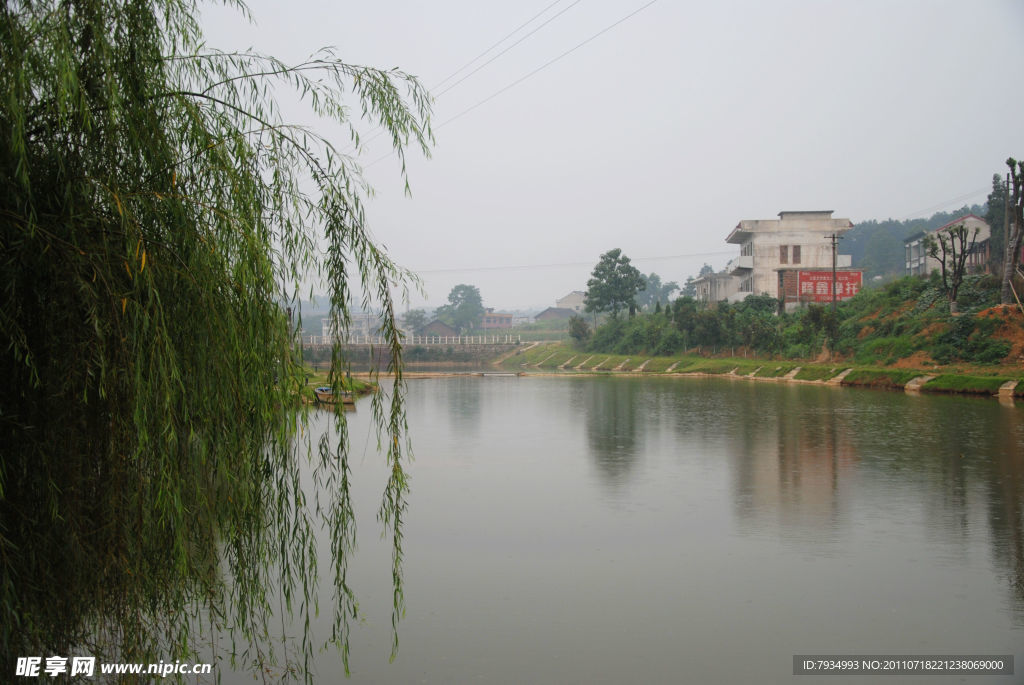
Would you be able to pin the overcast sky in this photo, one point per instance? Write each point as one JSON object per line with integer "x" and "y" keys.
{"x": 665, "y": 130}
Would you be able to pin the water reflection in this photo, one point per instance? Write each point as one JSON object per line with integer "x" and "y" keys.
{"x": 620, "y": 529}
{"x": 611, "y": 411}
{"x": 801, "y": 457}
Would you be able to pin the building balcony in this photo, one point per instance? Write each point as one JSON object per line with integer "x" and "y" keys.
{"x": 739, "y": 264}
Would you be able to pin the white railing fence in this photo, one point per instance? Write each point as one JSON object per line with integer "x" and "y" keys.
{"x": 411, "y": 340}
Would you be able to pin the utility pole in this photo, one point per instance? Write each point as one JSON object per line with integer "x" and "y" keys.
{"x": 835, "y": 244}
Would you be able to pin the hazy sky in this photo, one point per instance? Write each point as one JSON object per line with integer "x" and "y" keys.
{"x": 664, "y": 131}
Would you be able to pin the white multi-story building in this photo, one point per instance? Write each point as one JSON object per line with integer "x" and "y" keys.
{"x": 777, "y": 256}
{"x": 796, "y": 240}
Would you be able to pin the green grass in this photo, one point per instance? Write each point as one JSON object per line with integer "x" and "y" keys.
{"x": 659, "y": 364}
{"x": 318, "y": 378}
{"x": 974, "y": 385}
{"x": 552, "y": 356}
{"x": 880, "y": 378}
{"x": 775, "y": 370}
{"x": 817, "y": 373}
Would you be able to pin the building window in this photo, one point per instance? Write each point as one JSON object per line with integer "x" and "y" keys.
{"x": 783, "y": 254}
{"x": 796, "y": 254}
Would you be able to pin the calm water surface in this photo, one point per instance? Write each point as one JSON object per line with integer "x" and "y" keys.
{"x": 614, "y": 530}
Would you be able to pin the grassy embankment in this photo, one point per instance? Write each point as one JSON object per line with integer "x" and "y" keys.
{"x": 316, "y": 378}
{"x": 566, "y": 359}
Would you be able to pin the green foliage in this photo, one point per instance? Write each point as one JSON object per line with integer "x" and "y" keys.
{"x": 995, "y": 217}
{"x": 414, "y": 320}
{"x": 155, "y": 211}
{"x": 878, "y": 326}
{"x": 614, "y": 284}
{"x": 465, "y": 308}
{"x": 578, "y": 329}
{"x": 655, "y": 292}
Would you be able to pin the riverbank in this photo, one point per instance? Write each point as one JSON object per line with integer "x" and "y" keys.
{"x": 560, "y": 358}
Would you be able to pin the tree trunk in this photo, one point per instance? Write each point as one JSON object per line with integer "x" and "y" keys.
{"x": 1015, "y": 224}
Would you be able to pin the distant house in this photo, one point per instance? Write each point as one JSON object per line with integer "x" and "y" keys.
{"x": 438, "y": 328}
{"x": 555, "y": 313}
{"x": 493, "y": 319}
{"x": 714, "y": 288}
{"x": 573, "y": 301}
{"x": 361, "y": 325}
{"x": 919, "y": 263}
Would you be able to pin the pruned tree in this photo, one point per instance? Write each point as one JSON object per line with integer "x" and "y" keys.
{"x": 1014, "y": 230}
{"x": 613, "y": 285}
{"x": 951, "y": 247}
{"x": 155, "y": 209}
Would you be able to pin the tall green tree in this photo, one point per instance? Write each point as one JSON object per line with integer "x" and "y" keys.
{"x": 613, "y": 285}
{"x": 154, "y": 209}
{"x": 465, "y": 308}
{"x": 995, "y": 216}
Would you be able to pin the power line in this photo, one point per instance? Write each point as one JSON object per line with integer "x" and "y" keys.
{"x": 933, "y": 208}
{"x": 529, "y": 75}
{"x": 509, "y": 35}
{"x": 546, "y": 64}
{"x": 560, "y": 265}
{"x": 380, "y": 130}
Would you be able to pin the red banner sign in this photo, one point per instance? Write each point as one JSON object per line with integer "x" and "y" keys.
{"x": 816, "y": 286}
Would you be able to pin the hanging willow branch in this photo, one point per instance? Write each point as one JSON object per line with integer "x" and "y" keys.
{"x": 156, "y": 211}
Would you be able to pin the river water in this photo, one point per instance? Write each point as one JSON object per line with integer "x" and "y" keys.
{"x": 695, "y": 530}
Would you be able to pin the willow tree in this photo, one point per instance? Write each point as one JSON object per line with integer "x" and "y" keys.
{"x": 156, "y": 212}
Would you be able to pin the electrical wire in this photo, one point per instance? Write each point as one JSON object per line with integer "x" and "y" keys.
{"x": 509, "y": 35}
{"x": 561, "y": 265}
{"x": 527, "y": 76}
{"x": 563, "y": 11}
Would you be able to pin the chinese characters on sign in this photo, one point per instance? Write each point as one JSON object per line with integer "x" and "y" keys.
{"x": 816, "y": 286}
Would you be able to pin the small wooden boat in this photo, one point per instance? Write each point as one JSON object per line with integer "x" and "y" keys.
{"x": 325, "y": 395}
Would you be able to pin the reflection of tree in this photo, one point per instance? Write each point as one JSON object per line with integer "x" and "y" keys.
{"x": 464, "y": 395}
{"x": 1006, "y": 511}
{"x": 611, "y": 411}
{"x": 790, "y": 461}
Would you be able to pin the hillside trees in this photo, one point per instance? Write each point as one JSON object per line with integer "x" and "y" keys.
{"x": 154, "y": 209}
{"x": 613, "y": 285}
